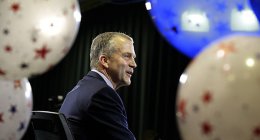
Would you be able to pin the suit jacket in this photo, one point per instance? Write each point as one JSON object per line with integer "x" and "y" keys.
{"x": 95, "y": 111}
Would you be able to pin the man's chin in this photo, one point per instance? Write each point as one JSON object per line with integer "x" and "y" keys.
{"x": 127, "y": 83}
{"x": 123, "y": 84}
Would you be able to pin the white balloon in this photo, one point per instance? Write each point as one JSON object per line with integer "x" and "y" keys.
{"x": 15, "y": 109}
{"x": 219, "y": 92}
{"x": 35, "y": 35}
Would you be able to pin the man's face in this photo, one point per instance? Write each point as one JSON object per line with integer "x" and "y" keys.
{"x": 122, "y": 63}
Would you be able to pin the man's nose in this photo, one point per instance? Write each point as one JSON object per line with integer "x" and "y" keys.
{"x": 133, "y": 64}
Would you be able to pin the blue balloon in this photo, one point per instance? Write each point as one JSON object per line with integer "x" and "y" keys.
{"x": 190, "y": 25}
{"x": 255, "y": 4}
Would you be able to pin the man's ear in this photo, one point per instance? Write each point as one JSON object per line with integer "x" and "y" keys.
{"x": 103, "y": 61}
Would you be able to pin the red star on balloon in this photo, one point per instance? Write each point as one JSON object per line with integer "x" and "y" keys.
{"x": 181, "y": 108}
{"x": 256, "y": 131}
{"x": 226, "y": 48}
{"x": 73, "y": 7}
{"x": 15, "y": 7}
{"x": 42, "y": 52}
{"x": 17, "y": 84}
{"x": 2, "y": 72}
{"x": 8, "y": 48}
{"x": 206, "y": 128}
{"x": 207, "y": 97}
{"x": 1, "y": 117}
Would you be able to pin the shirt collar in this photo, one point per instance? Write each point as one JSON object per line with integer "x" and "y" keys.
{"x": 104, "y": 77}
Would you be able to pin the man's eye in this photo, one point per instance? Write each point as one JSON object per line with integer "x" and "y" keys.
{"x": 127, "y": 55}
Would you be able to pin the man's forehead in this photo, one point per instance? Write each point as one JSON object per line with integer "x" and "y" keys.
{"x": 125, "y": 49}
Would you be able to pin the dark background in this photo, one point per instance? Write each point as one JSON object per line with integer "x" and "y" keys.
{"x": 150, "y": 100}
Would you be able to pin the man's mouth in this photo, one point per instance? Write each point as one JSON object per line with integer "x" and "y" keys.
{"x": 129, "y": 73}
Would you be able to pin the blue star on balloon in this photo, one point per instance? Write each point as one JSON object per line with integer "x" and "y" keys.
{"x": 13, "y": 109}
{"x": 240, "y": 7}
{"x": 21, "y": 127}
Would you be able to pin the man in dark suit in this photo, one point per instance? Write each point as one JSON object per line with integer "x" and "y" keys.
{"x": 93, "y": 108}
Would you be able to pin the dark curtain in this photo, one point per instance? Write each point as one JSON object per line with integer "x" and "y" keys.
{"x": 150, "y": 100}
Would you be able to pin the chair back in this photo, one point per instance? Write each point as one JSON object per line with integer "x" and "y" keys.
{"x": 46, "y": 125}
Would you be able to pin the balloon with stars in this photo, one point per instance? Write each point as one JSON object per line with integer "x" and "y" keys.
{"x": 218, "y": 94}
{"x": 15, "y": 109}
{"x": 190, "y": 25}
{"x": 35, "y": 35}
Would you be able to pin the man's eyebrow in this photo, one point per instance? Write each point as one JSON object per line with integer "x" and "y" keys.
{"x": 128, "y": 53}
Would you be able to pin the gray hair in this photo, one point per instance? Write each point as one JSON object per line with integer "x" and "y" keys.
{"x": 104, "y": 44}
